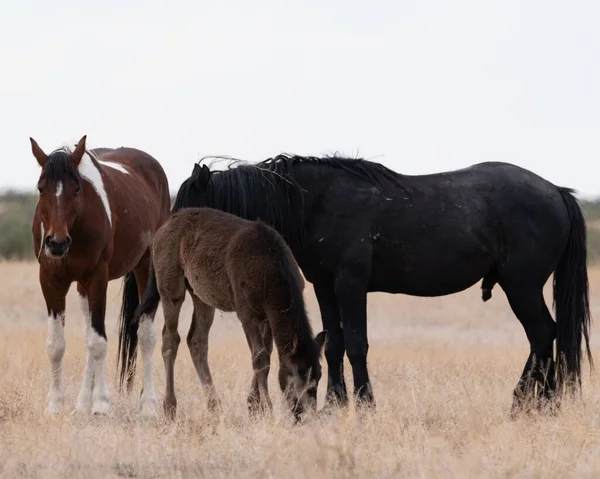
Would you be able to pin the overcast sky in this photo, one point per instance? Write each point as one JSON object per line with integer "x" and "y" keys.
{"x": 421, "y": 86}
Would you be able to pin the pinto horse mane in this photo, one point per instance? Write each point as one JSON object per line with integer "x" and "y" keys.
{"x": 59, "y": 168}
{"x": 269, "y": 192}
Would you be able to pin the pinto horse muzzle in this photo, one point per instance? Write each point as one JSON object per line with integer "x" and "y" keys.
{"x": 57, "y": 247}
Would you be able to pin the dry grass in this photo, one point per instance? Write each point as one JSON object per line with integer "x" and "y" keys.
{"x": 443, "y": 370}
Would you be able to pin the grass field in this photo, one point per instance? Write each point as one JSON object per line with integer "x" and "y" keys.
{"x": 443, "y": 371}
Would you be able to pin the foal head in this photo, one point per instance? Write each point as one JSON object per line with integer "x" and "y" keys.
{"x": 300, "y": 372}
{"x": 60, "y": 202}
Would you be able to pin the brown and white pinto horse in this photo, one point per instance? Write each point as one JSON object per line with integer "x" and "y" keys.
{"x": 94, "y": 222}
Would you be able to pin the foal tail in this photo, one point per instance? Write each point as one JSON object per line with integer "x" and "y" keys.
{"x": 128, "y": 337}
{"x": 571, "y": 300}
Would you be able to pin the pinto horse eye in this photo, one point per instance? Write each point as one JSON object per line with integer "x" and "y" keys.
{"x": 40, "y": 191}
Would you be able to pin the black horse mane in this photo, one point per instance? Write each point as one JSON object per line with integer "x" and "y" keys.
{"x": 267, "y": 190}
{"x": 59, "y": 168}
{"x": 375, "y": 173}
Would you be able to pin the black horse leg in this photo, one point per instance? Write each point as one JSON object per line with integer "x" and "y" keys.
{"x": 334, "y": 348}
{"x": 351, "y": 293}
{"x": 537, "y": 382}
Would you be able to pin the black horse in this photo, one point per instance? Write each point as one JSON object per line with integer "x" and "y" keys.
{"x": 356, "y": 226}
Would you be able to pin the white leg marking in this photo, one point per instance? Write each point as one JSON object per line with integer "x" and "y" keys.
{"x": 97, "y": 347}
{"x": 84, "y": 400}
{"x": 55, "y": 347}
{"x": 88, "y": 170}
{"x": 147, "y": 339}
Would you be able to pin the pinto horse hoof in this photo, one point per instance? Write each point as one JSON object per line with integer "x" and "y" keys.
{"x": 55, "y": 406}
{"x": 148, "y": 409}
{"x": 101, "y": 408}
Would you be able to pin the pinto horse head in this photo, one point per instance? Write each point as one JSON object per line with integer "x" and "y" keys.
{"x": 60, "y": 202}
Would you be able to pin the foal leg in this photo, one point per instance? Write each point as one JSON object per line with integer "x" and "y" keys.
{"x": 537, "y": 382}
{"x": 170, "y": 335}
{"x": 96, "y": 340}
{"x": 55, "y": 295}
{"x": 197, "y": 341}
{"x": 334, "y": 350}
{"x": 84, "y": 399}
{"x": 147, "y": 341}
{"x": 258, "y": 399}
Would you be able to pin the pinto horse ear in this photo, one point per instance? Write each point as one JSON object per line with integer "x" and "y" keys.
{"x": 79, "y": 151}
{"x": 201, "y": 174}
{"x": 39, "y": 154}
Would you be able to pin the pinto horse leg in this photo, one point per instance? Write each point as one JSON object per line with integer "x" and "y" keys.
{"x": 197, "y": 341}
{"x": 147, "y": 340}
{"x": 334, "y": 349}
{"x": 537, "y": 383}
{"x": 54, "y": 296}
{"x": 84, "y": 399}
{"x": 96, "y": 340}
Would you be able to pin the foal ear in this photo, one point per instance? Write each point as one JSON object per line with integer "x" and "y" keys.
{"x": 321, "y": 339}
{"x": 79, "y": 151}
{"x": 39, "y": 154}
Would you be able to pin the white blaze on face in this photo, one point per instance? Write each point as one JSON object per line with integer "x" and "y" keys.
{"x": 59, "y": 192}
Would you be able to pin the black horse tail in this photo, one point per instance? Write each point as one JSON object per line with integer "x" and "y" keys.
{"x": 128, "y": 336}
{"x": 130, "y": 303}
{"x": 571, "y": 300}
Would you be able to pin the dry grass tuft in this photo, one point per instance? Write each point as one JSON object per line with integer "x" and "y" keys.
{"x": 443, "y": 370}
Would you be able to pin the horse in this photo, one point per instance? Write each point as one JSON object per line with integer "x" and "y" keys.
{"x": 356, "y": 226}
{"x": 232, "y": 264}
{"x": 96, "y": 215}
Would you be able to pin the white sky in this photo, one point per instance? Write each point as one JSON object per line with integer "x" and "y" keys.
{"x": 421, "y": 86}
